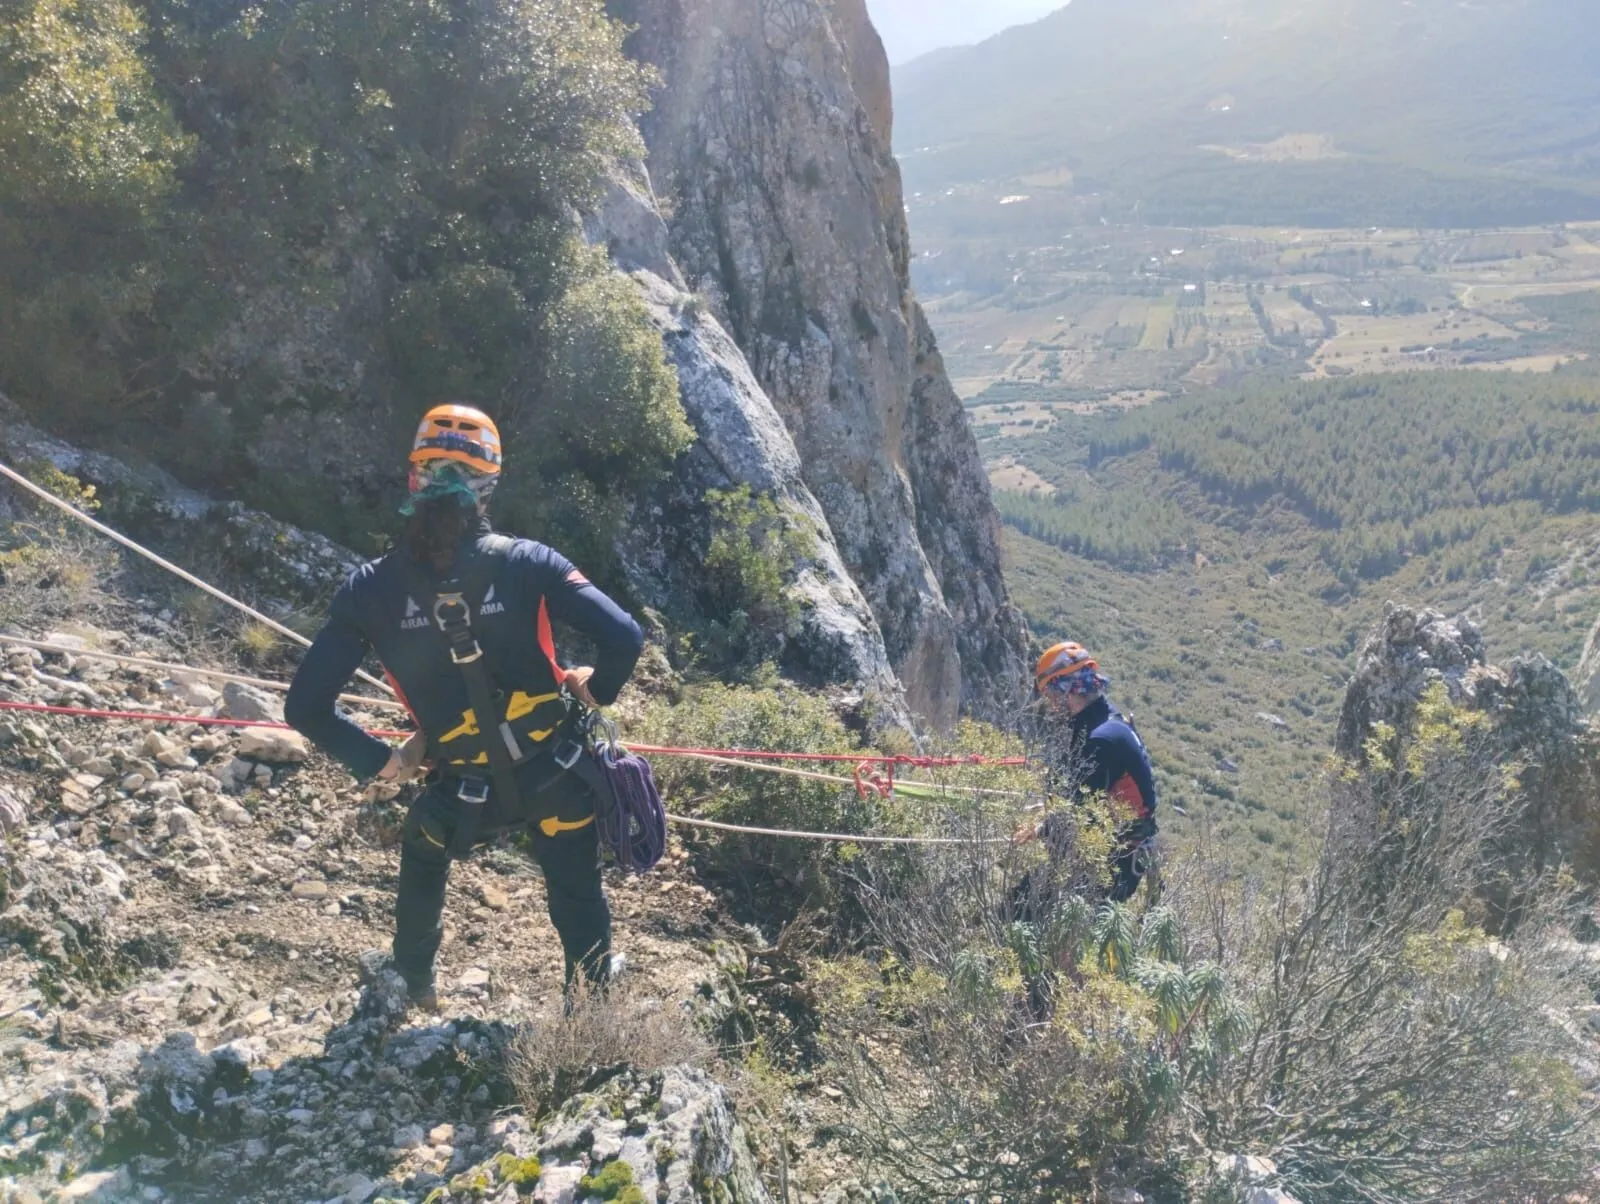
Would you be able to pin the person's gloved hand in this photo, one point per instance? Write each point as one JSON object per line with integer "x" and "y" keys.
{"x": 405, "y": 762}
{"x": 577, "y": 683}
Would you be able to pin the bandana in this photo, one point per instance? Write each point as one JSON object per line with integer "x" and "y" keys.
{"x": 1085, "y": 681}
{"x": 446, "y": 478}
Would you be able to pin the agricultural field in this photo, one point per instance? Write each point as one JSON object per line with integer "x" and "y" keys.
{"x": 1107, "y": 317}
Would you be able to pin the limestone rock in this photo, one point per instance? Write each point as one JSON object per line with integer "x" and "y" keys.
{"x": 742, "y": 439}
{"x": 274, "y": 746}
{"x": 250, "y": 704}
{"x": 770, "y": 151}
{"x": 1587, "y": 679}
{"x": 191, "y": 691}
{"x": 1536, "y": 722}
{"x": 13, "y": 810}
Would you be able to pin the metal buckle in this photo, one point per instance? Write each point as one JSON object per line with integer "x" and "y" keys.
{"x": 473, "y": 791}
{"x": 475, "y": 655}
{"x": 565, "y": 758}
{"x": 442, "y": 602}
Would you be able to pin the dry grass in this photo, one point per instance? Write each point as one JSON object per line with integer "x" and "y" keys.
{"x": 551, "y": 1060}
{"x": 257, "y": 642}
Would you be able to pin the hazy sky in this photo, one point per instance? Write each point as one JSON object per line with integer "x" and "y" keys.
{"x": 913, "y": 27}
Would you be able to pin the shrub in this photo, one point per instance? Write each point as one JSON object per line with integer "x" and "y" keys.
{"x": 784, "y": 876}
{"x": 748, "y": 610}
{"x": 347, "y": 210}
{"x": 550, "y": 1062}
{"x": 989, "y": 1058}
{"x": 1391, "y": 1048}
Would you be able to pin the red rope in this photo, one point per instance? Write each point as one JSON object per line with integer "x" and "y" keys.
{"x": 861, "y": 762}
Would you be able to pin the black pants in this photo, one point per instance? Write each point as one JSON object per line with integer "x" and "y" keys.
{"x": 560, "y": 819}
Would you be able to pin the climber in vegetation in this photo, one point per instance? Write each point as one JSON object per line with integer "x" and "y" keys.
{"x": 461, "y": 620}
{"x": 1098, "y": 754}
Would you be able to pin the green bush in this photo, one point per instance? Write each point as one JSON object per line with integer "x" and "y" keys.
{"x": 780, "y": 874}
{"x": 745, "y": 606}
{"x": 250, "y": 224}
{"x": 1384, "y": 1030}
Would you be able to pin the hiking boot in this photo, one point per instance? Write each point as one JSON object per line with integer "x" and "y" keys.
{"x": 424, "y": 999}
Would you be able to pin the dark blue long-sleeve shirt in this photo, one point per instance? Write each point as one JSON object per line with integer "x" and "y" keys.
{"x": 378, "y": 609}
{"x": 1104, "y": 755}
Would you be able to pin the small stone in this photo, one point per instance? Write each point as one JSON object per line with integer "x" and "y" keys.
{"x": 559, "y": 1185}
{"x": 133, "y": 783}
{"x": 232, "y": 814}
{"x": 475, "y": 977}
{"x": 302, "y": 843}
{"x": 155, "y": 744}
{"x": 193, "y": 692}
{"x": 259, "y": 1018}
{"x": 13, "y": 811}
{"x": 1124, "y": 1195}
{"x": 255, "y": 1150}
{"x": 300, "y": 1116}
{"x": 250, "y": 704}
{"x": 353, "y": 1188}
{"x": 274, "y": 745}
{"x": 311, "y": 888}
{"x": 440, "y": 1134}
{"x": 408, "y": 1137}
{"x": 182, "y": 822}
{"x": 493, "y": 897}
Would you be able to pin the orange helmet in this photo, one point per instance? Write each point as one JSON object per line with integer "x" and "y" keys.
{"x": 1063, "y": 660}
{"x": 459, "y": 433}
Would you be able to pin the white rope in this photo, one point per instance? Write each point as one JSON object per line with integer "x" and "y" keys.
{"x": 44, "y": 495}
{"x": 831, "y": 779}
{"x": 832, "y": 837}
{"x": 144, "y": 662}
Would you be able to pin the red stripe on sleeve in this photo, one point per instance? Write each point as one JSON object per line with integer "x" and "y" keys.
{"x": 547, "y": 642}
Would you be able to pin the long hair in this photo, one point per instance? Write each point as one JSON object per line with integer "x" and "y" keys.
{"x": 436, "y": 530}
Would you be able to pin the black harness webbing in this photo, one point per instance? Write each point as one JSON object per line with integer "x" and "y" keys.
{"x": 452, "y": 607}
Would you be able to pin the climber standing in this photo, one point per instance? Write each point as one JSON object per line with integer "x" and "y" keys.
{"x": 1097, "y": 754}
{"x": 461, "y": 619}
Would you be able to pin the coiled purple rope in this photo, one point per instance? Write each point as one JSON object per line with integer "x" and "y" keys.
{"x": 634, "y": 827}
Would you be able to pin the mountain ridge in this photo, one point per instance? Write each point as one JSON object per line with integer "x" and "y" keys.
{"x": 1130, "y": 96}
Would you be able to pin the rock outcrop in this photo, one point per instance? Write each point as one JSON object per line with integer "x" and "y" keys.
{"x": 280, "y": 561}
{"x": 741, "y": 440}
{"x": 1536, "y": 720}
{"x": 770, "y": 153}
{"x": 1587, "y": 679}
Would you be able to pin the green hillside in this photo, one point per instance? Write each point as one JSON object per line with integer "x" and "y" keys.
{"x": 1313, "y": 112}
{"x": 1226, "y": 553}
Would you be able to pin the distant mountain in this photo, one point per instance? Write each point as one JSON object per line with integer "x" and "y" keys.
{"x": 912, "y": 28}
{"x": 1427, "y": 111}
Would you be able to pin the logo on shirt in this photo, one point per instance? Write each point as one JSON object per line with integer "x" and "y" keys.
{"x": 490, "y": 606}
{"x": 414, "y": 619}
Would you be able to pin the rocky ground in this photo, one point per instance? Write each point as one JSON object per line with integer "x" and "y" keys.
{"x": 194, "y": 1004}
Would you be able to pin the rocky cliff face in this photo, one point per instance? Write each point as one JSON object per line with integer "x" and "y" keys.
{"x": 1587, "y": 680}
{"x": 770, "y": 159}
